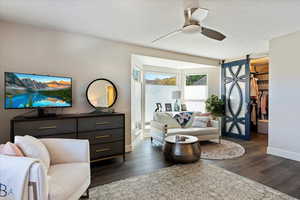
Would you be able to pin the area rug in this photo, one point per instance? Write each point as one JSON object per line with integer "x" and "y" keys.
{"x": 225, "y": 150}
{"x": 187, "y": 182}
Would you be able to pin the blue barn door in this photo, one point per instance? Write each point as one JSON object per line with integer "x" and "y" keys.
{"x": 236, "y": 94}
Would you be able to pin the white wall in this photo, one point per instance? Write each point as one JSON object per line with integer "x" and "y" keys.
{"x": 284, "y": 129}
{"x": 34, "y": 50}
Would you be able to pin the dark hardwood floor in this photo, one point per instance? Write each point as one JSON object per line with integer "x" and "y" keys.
{"x": 278, "y": 173}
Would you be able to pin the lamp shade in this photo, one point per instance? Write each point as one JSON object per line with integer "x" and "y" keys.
{"x": 176, "y": 94}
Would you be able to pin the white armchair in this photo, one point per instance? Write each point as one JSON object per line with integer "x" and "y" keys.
{"x": 68, "y": 177}
{"x": 69, "y": 173}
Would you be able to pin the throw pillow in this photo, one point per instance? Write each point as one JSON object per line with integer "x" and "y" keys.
{"x": 190, "y": 122}
{"x": 183, "y": 118}
{"x": 201, "y": 122}
{"x": 34, "y": 148}
{"x": 10, "y": 149}
{"x": 199, "y": 114}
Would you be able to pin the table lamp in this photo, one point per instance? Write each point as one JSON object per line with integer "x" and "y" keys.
{"x": 176, "y": 95}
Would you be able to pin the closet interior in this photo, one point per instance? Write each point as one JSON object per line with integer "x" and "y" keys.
{"x": 259, "y": 95}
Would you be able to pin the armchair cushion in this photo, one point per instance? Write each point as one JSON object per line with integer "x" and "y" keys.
{"x": 34, "y": 148}
{"x": 67, "y": 179}
{"x": 67, "y": 150}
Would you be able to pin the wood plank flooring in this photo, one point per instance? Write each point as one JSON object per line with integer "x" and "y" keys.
{"x": 278, "y": 173}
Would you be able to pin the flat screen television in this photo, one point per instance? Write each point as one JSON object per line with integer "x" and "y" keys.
{"x": 37, "y": 91}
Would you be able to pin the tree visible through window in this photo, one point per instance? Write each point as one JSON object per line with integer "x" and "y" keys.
{"x": 196, "y": 79}
{"x": 160, "y": 79}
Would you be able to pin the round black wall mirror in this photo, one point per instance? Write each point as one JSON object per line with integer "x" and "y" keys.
{"x": 101, "y": 93}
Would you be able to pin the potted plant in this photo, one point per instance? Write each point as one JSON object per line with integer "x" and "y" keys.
{"x": 215, "y": 106}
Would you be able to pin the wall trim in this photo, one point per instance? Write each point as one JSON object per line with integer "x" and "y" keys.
{"x": 128, "y": 148}
{"x": 283, "y": 153}
{"x": 137, "y": 140}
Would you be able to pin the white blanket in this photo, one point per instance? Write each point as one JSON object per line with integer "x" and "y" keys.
{"x": 14, "y": 177}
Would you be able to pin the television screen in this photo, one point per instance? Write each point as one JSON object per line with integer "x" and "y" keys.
{"x": 34, "y": 91}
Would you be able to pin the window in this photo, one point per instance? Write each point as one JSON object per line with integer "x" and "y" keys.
{"x": 154, "y": 78}
{"x": 195, "y": 92}
{"x": 158, "y": 89}
{"x": 136, "y": 74}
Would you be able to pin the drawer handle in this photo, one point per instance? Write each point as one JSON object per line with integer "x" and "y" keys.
{"x": 102, "y": 123}
{"x": 102, "y": 150}
{"x": 47, "y": 127}
{"x": 102, "y": 136}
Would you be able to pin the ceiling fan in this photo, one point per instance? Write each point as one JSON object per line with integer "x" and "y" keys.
{"x": 193, "y": 17}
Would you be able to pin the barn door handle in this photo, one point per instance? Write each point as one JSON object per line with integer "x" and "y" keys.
{"x": 249, "y": 106}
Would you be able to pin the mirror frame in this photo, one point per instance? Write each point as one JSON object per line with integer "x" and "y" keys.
{"x": 101, "y": 79}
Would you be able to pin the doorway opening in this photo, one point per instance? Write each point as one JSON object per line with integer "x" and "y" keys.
{"x": 245, "y": 90}
{"x": 259, "y": 98}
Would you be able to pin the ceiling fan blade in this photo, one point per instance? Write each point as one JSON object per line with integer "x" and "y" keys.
{"x": 199, "y": 14}
{"x": 212, "y": 34}
{"x": 167, "y": 35}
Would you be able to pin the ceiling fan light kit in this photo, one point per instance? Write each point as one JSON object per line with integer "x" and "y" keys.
{"x": 193, "y": 16}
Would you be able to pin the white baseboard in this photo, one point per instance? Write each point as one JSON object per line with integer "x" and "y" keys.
{"x": 137, "y": 140}
{"x": 128, "y": 148}
{"x": 283, "y": 153}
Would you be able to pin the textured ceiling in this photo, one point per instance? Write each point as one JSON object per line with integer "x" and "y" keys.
{"x": 248, "y": 24}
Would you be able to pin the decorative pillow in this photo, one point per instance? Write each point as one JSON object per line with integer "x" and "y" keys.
{"x": 10, "y": 149}
{"x": 34, "y": 148}
{"x": 183, "y": 118}
{"x": 201, "y": 122}
{"x": 199, "y": 114}
{"x": 190, "y": 122}
{"x": 166, "y": 118}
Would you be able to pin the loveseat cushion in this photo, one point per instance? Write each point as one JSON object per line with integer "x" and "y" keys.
{"x": 67, "y": 179}
{"x": 166, "y": 118}
{"x": 193, "y": 131}
{"x": 201, "y": 122}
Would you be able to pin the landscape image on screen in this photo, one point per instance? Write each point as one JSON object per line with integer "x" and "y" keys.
{"x": 29, "y": 91}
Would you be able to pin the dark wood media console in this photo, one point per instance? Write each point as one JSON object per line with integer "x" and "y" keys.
{"x": 105, "y": 131}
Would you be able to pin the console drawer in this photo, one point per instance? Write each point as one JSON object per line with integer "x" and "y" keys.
{"x": 103, "y": 136}
{"x": 45, "y": 127}
{"x": 66, "y": 136}
{"x": 100, "y": 123}
{"x": 108, "y": 149}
